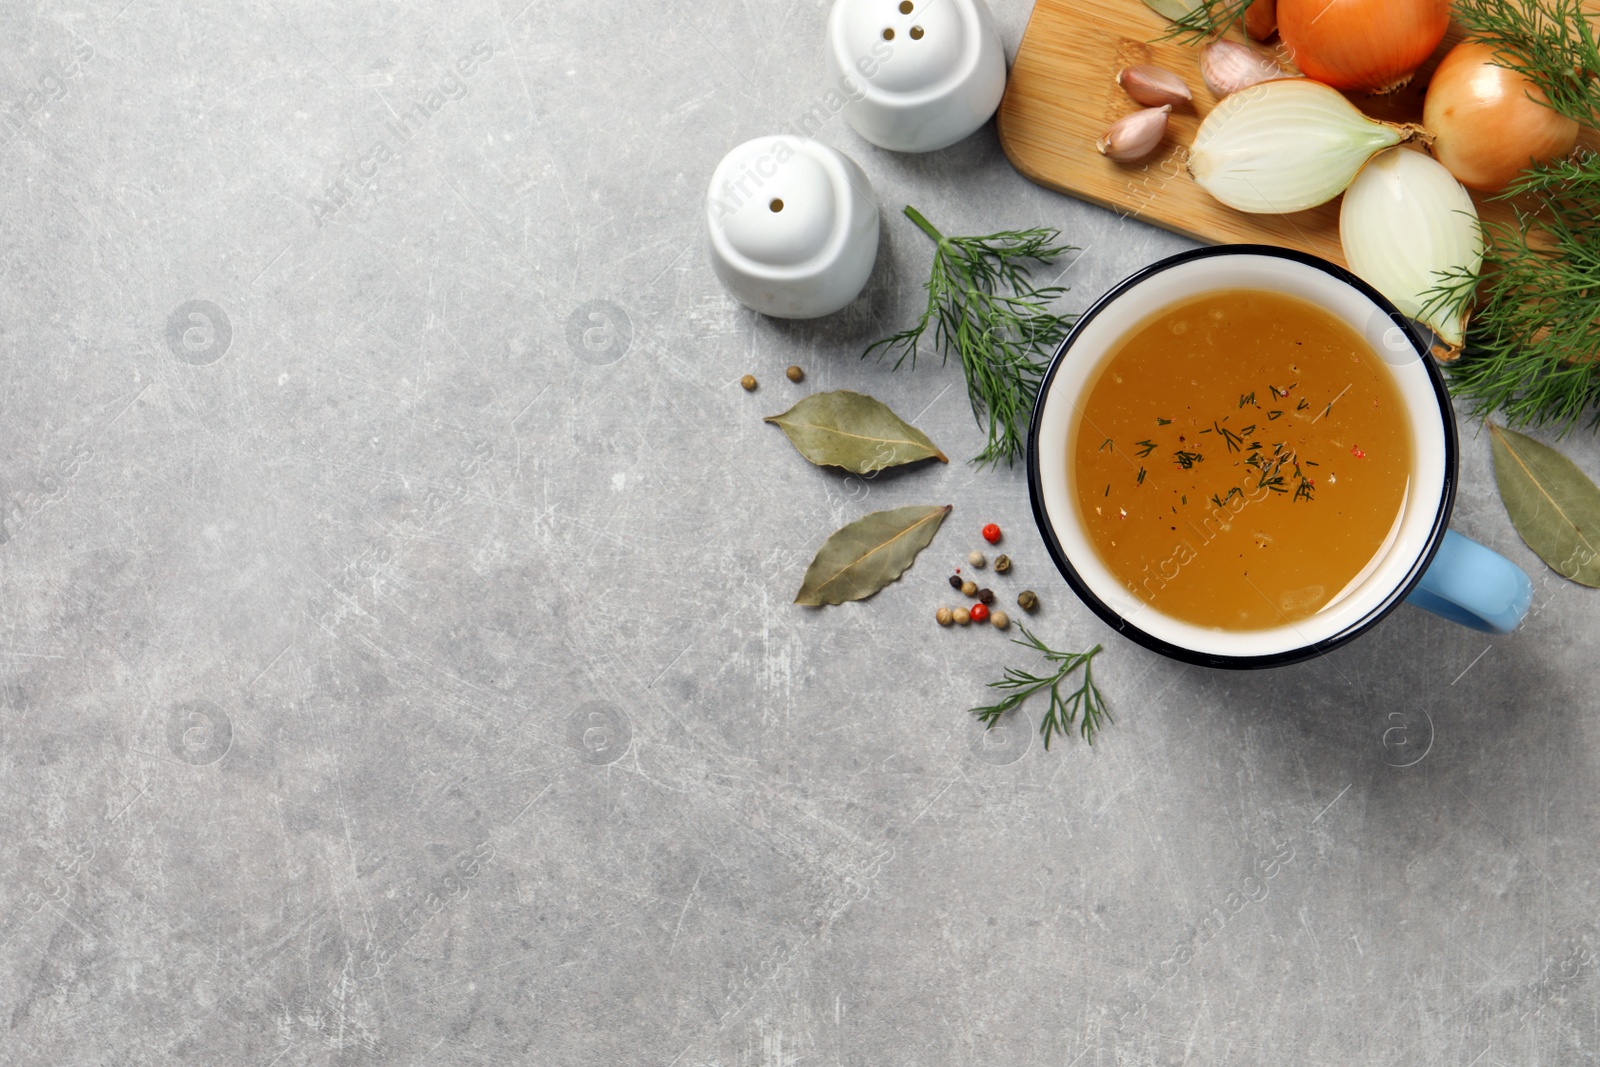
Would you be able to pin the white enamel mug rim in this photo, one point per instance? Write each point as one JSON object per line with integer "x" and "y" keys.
{"x": 1077, "y": 362}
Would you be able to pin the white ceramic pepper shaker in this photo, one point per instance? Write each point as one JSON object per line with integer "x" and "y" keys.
{"x": 929, "y": 72}
{"x": 793, "y": 227}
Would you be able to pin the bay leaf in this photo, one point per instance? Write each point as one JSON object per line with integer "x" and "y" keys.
{"x": 859, "y": 559}
{"x": 1173, "y": 9}
{"x": 1553, "y": 504}
{"x": 853, "y": 431}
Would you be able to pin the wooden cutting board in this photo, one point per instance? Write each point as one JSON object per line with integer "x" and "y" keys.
{"x": 1062, "y": 95}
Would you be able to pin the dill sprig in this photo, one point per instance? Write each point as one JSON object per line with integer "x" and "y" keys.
{"x": 1533, "y": 347}
{"x": 1085, "y": 702}
{"x": 1570, "y": 184}
{"x": 1549, "y": 41}
{"x": 1210, "y": 18}
{"x": 984, "y": 307}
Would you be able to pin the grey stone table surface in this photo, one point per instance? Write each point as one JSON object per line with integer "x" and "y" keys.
{"x": 397, "y": 662}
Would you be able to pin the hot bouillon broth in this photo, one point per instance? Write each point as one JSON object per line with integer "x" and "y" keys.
{"x": 1241, "y": 459}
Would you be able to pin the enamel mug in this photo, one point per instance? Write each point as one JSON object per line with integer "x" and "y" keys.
{"x": 1422, "y": 562}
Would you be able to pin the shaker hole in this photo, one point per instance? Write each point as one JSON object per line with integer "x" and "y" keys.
{"x": 905, "y": 7}
{"x": 776, "y": 205}
{"x": 916, "y": 33}
{"x": 888, "y": 34}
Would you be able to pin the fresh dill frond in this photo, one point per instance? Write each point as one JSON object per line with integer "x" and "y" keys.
{"x": 984, "y": 308}
{"x": 1533, "y": 345}
{"x": 1084, "y": 706}
{"x": 1567, "y": 184}
{"x": 1210, "y": 18}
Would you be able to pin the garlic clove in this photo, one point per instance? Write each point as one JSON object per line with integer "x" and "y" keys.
{"x": 1135, "y": 136}
{"x": 1409, "y": 228}
{"x": 1228, "y": 66}
{"x": 1153, "y": 86}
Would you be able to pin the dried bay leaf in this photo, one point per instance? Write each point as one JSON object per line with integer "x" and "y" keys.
{"x": 853, "y": 431}
{"x": 863, "y": 557}
{"x": 1173, "y": 9}
{"x": 1553, "y": 504}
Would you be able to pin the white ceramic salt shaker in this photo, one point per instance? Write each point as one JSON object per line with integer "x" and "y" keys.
{"x": 916, "y": 75}
{"x": 793, "y": 227}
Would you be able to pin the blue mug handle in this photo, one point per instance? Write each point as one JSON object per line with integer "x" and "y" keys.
{"x": 1475, "y": 586}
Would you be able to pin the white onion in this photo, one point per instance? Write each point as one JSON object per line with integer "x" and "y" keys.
{"x": 1285, "y": 146}
{"x": 1407, "y": 224}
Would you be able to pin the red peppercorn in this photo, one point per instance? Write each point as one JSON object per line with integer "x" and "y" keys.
{"x": 991, "y": 534}
{"x": 978, "y": 612}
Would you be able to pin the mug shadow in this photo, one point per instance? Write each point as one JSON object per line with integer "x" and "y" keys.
{"x": 1427, "y": 721}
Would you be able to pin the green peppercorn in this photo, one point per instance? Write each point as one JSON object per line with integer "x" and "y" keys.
{"x": 955, "y": 581}
{"x": 1002, "y": 564}
{"x": 1028, "y": 600}
{"x": 987, "y": 596}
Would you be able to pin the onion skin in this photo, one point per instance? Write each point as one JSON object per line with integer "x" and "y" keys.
{"x": 1490, "y": 122}
{"x": 1369, "y": 45}
{"x": 1261, "y": 19}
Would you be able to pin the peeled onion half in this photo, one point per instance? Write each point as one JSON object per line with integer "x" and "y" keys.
{"x": 1285, "y": 146}
{"x": 1407, "y": 226}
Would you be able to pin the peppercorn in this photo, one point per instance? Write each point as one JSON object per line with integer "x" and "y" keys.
{"x": 978, "y": 612}
{"x": 1002, "y": 563}
{"x": 1000, "y": 620}
{"x": 795, "y": 374}
{"x": 991, "y": 534}
{"x": 749, "y": 383}
{"x": 961, "y": 616}
{"x": 976, "y": 559}
{"x": 1028, "y": 600}
{"x": 968, "y": 588}
{"x": 987, "y": 596}
{"x": 955, "y": 581}
{"x": 945, "y": 616}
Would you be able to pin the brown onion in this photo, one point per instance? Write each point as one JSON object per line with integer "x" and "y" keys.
{"x": 1371, "y": 45}
{"x": 1490, "y": 122}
